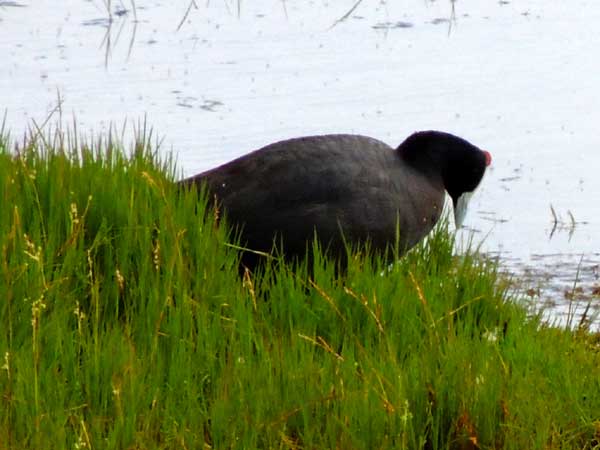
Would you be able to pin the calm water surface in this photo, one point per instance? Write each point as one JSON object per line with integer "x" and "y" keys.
{"x": 519, "y": 79}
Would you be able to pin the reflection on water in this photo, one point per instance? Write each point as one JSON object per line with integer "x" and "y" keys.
{"x": 217, "y": 81}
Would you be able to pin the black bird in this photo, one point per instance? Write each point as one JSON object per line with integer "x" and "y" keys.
{"x": 344, "y": 188}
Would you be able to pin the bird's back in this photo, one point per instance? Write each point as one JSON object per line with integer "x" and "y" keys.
{"x": 339, "y": 186}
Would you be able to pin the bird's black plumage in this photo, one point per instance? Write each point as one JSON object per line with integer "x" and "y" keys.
{"x": 343, "y": 188}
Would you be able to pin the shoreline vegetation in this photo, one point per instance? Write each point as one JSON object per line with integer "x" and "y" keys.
{"x": 126, "y": 325}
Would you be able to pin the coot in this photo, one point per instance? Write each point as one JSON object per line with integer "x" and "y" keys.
{"x": 344, "y": 188}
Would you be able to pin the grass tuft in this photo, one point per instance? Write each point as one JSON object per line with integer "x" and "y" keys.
{"x": 125, "y": 324}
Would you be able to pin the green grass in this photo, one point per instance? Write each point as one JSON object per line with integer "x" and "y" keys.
{"x": 125, "y": 325}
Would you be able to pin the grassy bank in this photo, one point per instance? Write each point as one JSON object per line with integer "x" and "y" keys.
{"x": 125, "y": 324}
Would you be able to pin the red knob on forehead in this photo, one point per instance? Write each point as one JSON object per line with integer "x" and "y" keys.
{"x": 488, "y": 158}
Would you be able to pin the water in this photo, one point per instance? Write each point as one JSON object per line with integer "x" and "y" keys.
{"x": 516, "y": 78}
